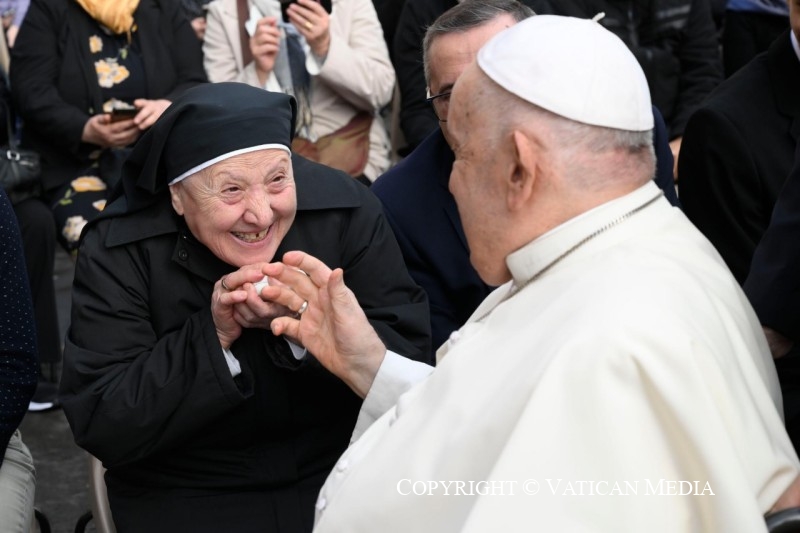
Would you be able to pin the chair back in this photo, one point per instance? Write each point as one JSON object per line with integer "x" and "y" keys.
{"x": 101, "y": 510}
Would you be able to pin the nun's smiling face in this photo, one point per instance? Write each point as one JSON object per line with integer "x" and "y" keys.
{"x": 240, "y": 208}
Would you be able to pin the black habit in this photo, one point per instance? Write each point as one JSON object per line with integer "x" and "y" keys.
{"x": 146, "y": 387}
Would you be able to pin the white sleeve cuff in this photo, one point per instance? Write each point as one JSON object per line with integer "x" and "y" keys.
{"x": 313, "y": 63}
{"x": 299, "y": 352}
{"x": 395, "y": 376}
{"x": 233, "y": 363}
{"x": 272, "y": 85}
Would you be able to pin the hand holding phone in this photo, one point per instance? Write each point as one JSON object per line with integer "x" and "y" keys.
{"x": 326, "y": 4}
{"x": 119, "y": 110}
{"x": 312, "y": 21}
{"x": 100, "y": 130}
{"x": 119, "y": 114}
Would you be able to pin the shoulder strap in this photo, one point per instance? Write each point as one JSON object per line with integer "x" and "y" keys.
{"x": 243, "y": 14}
{"x": 12, "y": 139}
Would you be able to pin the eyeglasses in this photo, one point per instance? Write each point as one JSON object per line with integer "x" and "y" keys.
{"x": 440, "y": 103}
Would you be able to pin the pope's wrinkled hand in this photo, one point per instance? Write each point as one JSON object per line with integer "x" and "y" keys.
{"x": 333, "y": 327}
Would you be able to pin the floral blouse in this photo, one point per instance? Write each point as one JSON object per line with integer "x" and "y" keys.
{"x": 119, "y": 67}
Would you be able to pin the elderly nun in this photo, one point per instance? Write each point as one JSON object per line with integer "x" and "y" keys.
{"x": 205, "y": 420}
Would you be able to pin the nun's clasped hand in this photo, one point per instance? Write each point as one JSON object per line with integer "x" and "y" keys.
{"x": 333, "y": 328}
{"x": 236, "y": 303}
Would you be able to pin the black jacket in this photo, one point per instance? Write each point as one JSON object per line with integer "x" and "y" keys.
{"x": 738, "y": 151}
{"x": 146, "y": 387}
{"x": 54, "y": 83}
{"x": 417, "y": 119}
{"x": 675, "y": 42}
{"x": 20, "y": 368}
{"x": 773, "y": 284}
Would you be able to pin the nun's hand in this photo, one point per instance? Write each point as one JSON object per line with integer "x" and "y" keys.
{"x": 254, "y": 311}
{"x": 149, "y": 111}
{"x": 332, "y": 325}
{"x": 313, "y": 23}
{"x": 223, "y": 302}
{"x": 101, "y": 131}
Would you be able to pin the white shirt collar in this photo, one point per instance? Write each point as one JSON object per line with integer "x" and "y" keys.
{"x": 795, "y": 44}
{"x": 539, "y": 253}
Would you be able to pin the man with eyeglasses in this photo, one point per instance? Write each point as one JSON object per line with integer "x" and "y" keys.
{"x": 415, "y": 194}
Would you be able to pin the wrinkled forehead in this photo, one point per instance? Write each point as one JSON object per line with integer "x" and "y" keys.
{"x": 260, "y": 153}
{"x": 249, "y": 166}
{"x": 463, "y": 101}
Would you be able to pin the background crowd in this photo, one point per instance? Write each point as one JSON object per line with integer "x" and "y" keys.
{"x": 83, "y": 81}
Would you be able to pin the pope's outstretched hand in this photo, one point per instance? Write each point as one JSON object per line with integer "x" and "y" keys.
{"x": 332, "y": 326}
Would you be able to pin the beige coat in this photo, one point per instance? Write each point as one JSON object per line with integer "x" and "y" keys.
{"x": 356, "y": 75}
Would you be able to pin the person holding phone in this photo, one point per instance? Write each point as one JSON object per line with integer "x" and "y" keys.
{"x": 312, "y": 23}
{"x": 88, "y": 77}
{"x": 330, "y": 56}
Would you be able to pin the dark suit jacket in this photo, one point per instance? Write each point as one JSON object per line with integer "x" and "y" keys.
{"x": 738, "y": 150}
{"x": 54, "y": 83}
{"x": 388, "y": 14}
{"x": 773, "y": 284}
{"x": 773, "y": 287}
{"x": 425, "y": 220}
{"x": 424, "y": 217}
{"x": 416, "y": 116}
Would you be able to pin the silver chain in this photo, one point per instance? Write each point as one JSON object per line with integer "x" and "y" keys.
{"x": 554, "y": 262}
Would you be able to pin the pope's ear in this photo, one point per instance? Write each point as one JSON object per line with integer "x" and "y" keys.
{"x": 175, "y": 194}
{"x": 523, "y": 172}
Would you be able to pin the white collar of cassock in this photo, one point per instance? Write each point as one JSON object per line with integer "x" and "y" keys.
{"x": 539, "y": 253}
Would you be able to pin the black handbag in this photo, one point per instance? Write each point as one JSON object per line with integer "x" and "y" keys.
{"x": 20, "y": 170}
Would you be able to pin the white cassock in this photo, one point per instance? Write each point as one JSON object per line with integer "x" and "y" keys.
{"x": 630, "y": 373}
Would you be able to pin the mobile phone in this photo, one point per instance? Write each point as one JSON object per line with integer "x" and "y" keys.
{"x": 326, "y": 4}
{"x": 118, "y": 114}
